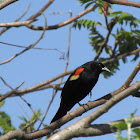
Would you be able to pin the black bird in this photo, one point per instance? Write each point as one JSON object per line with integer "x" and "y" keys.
{"x": 78, "y": 86}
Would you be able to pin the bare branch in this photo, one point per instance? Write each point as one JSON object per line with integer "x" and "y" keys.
{"x": 75, "y": 113}
{"x": 6, "y": 28}
{"x": 6, "y": 83}
{"x": 29, "y": 105}
{"x": 40, "y": 85}
{"x": 102, "y": 46}
{"x": 16, "y": 24}
{"x": 102, "y": 129}
{"x": 54, "y": 94}
{"x": 81, "y": 110}
{"x": 67, "y": 62}
{"x": 28, "y": 125}
{"x": 56, "y": 124}
{"x": 91, "y": 130}
{"x": 110, "y": 26}
{"x": 76, "y": 129}
{"x": 6, "y": 3}
{"x": 12, "y": 134}
{"x": 124, "y": 2}
{"x": 110, "y": 60}
{"x": 62, "y": 23}
{"x": 131, "y": 77}
{"x": 28, "y": 48}
{"x": 33, "y": 17}
{"x": 34, "y": 88}
{"x": 47, "y": 49}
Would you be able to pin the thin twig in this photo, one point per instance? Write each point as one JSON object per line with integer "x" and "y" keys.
{"x": 16, "y": 24}
{"x": 115, "y": 47}
{"x": 25, "y": 112}
{"x": 54, "y": 94}
{"x": 23, "y": 13}
{"x": 54, "y": 86}
{"x": 131, "y": 77}
{"x": 46, "y": 83}
{"x": 6, "y": 3}
{"x": 28, "y": 125}
{"x": 33, "y": 17}
{"x": 28, "y": 48}
{"x": 124, "y": 2}
{"x": 105, "y": 16}
{"x": 34, "y": 88}
{"x": 110, "y": 27}
{"x": 65, "y": 119}
{"x": 6, "y": 83}
{"x": 48, "y": 49}
{"x": 29, "y": 105}
{"x": 110, "y": 60}
{"x": 67, "y": 62}
{"x": 102, "y": 46}
{"x": 6, "y": 28}
{"x": 62, "y": 23}
{"x": 19, "y": 85}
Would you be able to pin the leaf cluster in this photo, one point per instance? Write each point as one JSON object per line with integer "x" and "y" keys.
{"x": 5, "y": 122}
{"x": 132, "y": 134}
{"x": 26, "y": 121}
{"x": 124, "y": 41}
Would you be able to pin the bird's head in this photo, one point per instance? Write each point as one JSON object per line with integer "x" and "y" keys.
{"x": 99, "y": 67}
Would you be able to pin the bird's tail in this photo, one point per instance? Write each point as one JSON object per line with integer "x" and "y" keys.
{"x": 60, "y": 113}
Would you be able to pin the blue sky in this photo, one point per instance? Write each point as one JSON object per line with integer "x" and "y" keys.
{"x": 36, "y": 66}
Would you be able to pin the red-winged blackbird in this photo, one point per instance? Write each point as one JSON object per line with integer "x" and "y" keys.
{"x": 78, "y": 86}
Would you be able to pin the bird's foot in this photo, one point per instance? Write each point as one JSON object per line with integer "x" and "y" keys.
{"x": 83, "y": 105}
{"x": 80, "y": 104}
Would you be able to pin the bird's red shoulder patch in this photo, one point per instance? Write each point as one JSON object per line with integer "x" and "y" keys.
{"x": 76, "y": 74}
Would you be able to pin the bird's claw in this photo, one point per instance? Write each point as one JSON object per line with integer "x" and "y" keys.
{"x": 83, "y": 105}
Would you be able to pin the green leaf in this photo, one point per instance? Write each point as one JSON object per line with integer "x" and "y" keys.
{"x": 1, "y": 103}
{"x": 115, "y": 14}
{"x": 34, "y": 117}
{"x": 128, "y": 18}
{"x": 108, "y": 50}
{"x": 5, "y": 123}
{"x": 2, "y": 1}
{"x": 88, "y": 4}
{"x": 24, "y": 119}
{"x": 84, "y": 23}
{"x": 120, "y": 125}
{"x": 124, "y": 15}
{"x": 137, "y": 32}
{"x": 137, "y": 131}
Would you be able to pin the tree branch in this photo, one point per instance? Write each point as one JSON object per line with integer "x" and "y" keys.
{"x": 131, "y": 77}
{"x": 75, "y": 113}
{"x": 109, "y": 27}
{"x": 46, "y": 83}
{"x": 124, "y": 2}
{"x": 102, "y": 129}
{"x": 81, "y": 110}
{"x": 28, "y": 48}
{"x": 34, "y": 88}
{"x": 16, "y": 24}
{"x": 110, "y": 60}
{"x": 6, "y": 3}
{"x": 76, "y": 129}
{"x": 62, "y": 23}
{"x": 67, "y": 62}
{"x": 6, "y": 28}
{"x": 33, "y": 17}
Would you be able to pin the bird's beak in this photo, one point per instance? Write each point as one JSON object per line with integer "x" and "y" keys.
{"x": 105, "y": 69}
